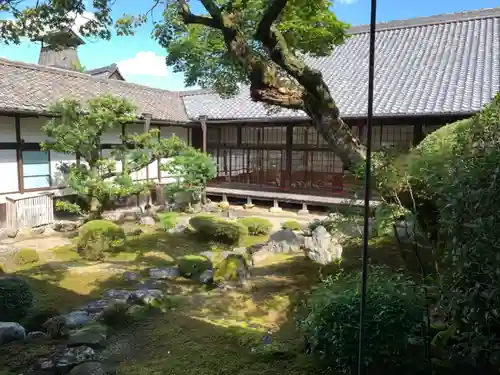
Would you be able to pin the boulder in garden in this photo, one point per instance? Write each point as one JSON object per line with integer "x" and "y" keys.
{"x": 321, "y": 247}
{"x": 11, "y": 331}
{"x": 284, "y": 241}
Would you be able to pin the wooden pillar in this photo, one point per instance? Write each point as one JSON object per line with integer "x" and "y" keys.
{"x": 203, "y": 122}
{"x": 19, "y": 155}
{"x": 418, "y": 134}
{"x": 147, "y": 126}
{"x": 288, "y": 151}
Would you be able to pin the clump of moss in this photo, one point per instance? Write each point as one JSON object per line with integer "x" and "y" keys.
{"x": 193, "y": 265}
{"x": 26, "y": 256}
{"x": 57, "y": 327}
{"x": 232, "y": 268}
{"x": 256, "y": 226}
{"x": 16, "y": 299}
{"x": 117, "y": 315}
{"x": 97, "y": 237}
{"x": 36, "y": 319}
{"x": 291, "y": 224}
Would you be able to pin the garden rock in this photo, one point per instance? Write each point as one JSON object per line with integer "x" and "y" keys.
{"x": 73, "y": 356}
{"x": 93, "y": 336}
{"x": 321, "y": 247}
{"x": 11, "y": 233}
{"x": 167, "y": 273}
{"x": 76, "y": 319}
{"x": 179, "y": 228}
{"x": 147, "y": 220}
{"x": 10, "y": 331}
{"x": 88, "y": 368}
{"x": 145, "y": 296}
{"x": 36, "y": 335}
{"x": 117, "y": 295}
{"x": 38, "y": 230}
{"x": 65, "y": 226}
{"x": 150, "y": 284}
{"x": 130, "y": 276}
{"x": 93, "y": 307}
{"x": 207, "y": 277}
{"x": 232, "y": 268}
{"x": 284, "y": 241}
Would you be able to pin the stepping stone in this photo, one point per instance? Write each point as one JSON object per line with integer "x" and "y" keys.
{"x": 167, "y": 273}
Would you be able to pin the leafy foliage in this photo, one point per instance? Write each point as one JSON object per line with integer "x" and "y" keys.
{"x": 26, "y": 256}
{"x": 192, "y": 169}
{"x": 218, "y": 230}
{"x": 291, "y": 224}
{"x": 117, "y": 315}
{"x": 15, "y": 299}
{"x": 256, "y": 226}
{"x": 168, "y": 220}
{"x": 469, "y": 224}
{"x": 386, "y": 216}
{"x": 394, "y": 319}
{"x": 193, "y": 265}
{"x": 97, "y": 237}
{"x": 233, "y": 268}
{"x": 36, "y": 319}
{"x": 97, "y": 178}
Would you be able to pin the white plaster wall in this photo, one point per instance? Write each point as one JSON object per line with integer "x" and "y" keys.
{"x": 166, "y": 132}
{"x": 31, "y": 129}
{"x": 7, "y": 129}
{"x": 112, "y": 136}
{"x": 59, "y": 179}
{"x": 8, "y": 171}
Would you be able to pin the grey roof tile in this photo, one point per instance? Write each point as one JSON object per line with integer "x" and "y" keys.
{"x": 34, "y": 88}
{"x": 433, "y": 65}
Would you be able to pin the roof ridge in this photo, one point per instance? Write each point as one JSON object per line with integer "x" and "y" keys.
{"x": 86, "y": 76}
{"x": 469, "y": 15}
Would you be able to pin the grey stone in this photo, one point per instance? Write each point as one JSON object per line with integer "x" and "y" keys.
{"x": 145, "y": 296}
{"x": 147, "y": 220}
{"x": 11, "y": 233}
{"x": 167, "y": 273}
{"x": 130, "y": 276}
{"x": 94, "y": 307}
{"x": 73, "y": 356}
{"x": 77, "y": 318}
{"x": 150, "y": 284}
{"x": 179, "y": 228}
{"x": 11, "y": 331}
{"x": 321, "y": 247}
{"x": 284, "y": 241}
{"x": 66, "y": 226}
{"x": 93, "y": 336}
{"x": 242, "y": 271}
{"x": 117, "y": 295}
{"x": 38, "y": 230}
{"x": 36, "y": 335}
{"x": 207, "y": 277}
{"x": 89, "y": 368}
{"x": 240, "y": 250}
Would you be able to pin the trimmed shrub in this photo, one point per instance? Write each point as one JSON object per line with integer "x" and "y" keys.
{"x": 168, "y": 220}
{"x": 15, "y": 299}
{"x": 3, "y": 270}
{"x": 26, "y": 256}
{"x": 393, "y": 325}
{"x": 97, "y": 237}
{"x": 256, "y": 226}
{"x": 232, "y": 268}
{"x": 217, "y": 229}
{"x": 193, "y": 265}
{"x": 36, "y": 319}
{"x": 291, "y": 224}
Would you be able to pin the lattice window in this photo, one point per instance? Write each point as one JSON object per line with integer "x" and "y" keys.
{"x": 249, "y": 136}
{"x": 229, "y": 135}
{"x": 273, "y": 135}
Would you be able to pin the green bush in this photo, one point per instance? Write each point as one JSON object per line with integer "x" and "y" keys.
{"x": 26, "y": 256}
{"x": 193, "y": 265}
{"x": 256, "y": 226}
{"x": 393, "y": 324}
{"x": 168, "y": 220}
{"x": 97, "y": 237}
{"x": 16, "y": 299}
{"x": 212, "y": 228}
{"x": 291, "y": 224}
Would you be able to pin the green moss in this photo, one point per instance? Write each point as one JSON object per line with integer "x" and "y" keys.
{"x": 26, "y": 256}
{"x": 291, "y": 224}
{"x": 220, "y": 230}
{"x": 16, "y": 299}
{"x": 193, "y": 265}
{"x": 97, "y": 237}
{"x": 256, "y": 226}
{"x": 229, "y": 268}
{"x": 168, "y": 219}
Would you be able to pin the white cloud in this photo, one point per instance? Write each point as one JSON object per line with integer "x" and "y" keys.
{"x": 347, "y": 2}
{"x": 144, "y": 63}
{"x": 80, "y": 20}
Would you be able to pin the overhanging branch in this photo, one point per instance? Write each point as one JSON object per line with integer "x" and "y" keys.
{"x": 272, "y": 13}
{"x": 189, "y": 18}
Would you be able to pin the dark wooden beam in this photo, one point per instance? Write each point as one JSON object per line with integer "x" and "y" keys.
{"x": 19, "y": 155}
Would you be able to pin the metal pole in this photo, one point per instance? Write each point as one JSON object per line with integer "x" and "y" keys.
{"x": 366, "y": 232}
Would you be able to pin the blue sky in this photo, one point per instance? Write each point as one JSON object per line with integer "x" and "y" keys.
{"x": 141, "y": 54}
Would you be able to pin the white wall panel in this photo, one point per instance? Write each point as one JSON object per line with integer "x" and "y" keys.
{"x": 7, "y": 129}
{"x": 168, "y": 131}
{"x": 31, "y": 129}
{"x": 8, "y": 171}
{"x": 57, "y": 160}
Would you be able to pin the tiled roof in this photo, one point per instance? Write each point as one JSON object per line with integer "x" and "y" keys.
{"x": 104, "y": 71}
{"x": 34, "y": 88}
{"x": 432, "y": 65}
{"x": 446, "y": 64}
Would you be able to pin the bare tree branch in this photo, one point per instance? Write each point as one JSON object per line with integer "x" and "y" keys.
{"x": 272, "y": 13}
{"x": 212, "y": 8}
{"x": 189, "y": 18}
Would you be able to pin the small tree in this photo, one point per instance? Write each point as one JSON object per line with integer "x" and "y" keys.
{"x": 94, "y": 177}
